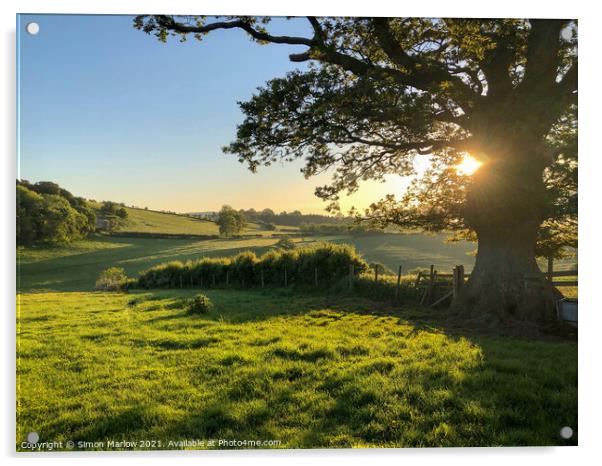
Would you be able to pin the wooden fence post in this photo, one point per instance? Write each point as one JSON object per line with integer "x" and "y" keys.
{"x": 550, "y": 273}
{"x": 398, "y": 283}
{"x": 426, "y": 297}
{"x": 458, "y": 281}
{"x": 351, "y": 275}
{"x": 418, "y": 277}
{"x": 375, "y": 273}
{"x": 432, "y": 287}
{"x": 455, "y": 283}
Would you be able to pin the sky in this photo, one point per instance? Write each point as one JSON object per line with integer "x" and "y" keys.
{"x": 110, "y": 113}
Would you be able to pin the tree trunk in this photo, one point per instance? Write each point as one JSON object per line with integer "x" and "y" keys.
{"x": 505, "y": 207}
{"x": 506, "y": 283}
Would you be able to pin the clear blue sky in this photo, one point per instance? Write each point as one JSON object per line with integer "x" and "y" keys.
{"x": 110, "y": 113}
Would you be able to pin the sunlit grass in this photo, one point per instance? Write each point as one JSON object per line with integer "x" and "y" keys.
{"x": 311, "y": 371}
{"x": 148, "y": 221}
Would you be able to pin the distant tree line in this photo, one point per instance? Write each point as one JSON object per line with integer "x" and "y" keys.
{"x": 339, "y": 229}
{"x": 292, "y": 219}
{"x": 50, "y": 214}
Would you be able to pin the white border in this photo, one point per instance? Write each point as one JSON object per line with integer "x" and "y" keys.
{"x": 590, "y": 172}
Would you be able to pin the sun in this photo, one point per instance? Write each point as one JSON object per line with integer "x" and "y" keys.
{"x": 468, "y": 165}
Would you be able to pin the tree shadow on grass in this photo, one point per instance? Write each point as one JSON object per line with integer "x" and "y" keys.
{"x": 506, "y": 391}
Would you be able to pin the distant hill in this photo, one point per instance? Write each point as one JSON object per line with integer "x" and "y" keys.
{"x": 151, "y": 221}
{"x": 154, "y": 222}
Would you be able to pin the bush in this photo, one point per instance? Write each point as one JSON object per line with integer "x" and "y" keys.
{"x": 200, "y": 304}
{"x": 113, "y": 279}
{"x": 332, "y": 261}
{"x": 285, "y": 243}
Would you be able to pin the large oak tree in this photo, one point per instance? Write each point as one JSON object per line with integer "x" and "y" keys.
{"x": 381, "y": 91}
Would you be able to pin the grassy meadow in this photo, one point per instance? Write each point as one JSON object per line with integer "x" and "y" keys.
{"x": 154, "y": 222}
{"x": 319, "y": 368}
{"x": 150, "y": 221}
{"x": 307, "y": 371}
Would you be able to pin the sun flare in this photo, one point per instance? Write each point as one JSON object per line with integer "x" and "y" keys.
{"x": 468, "y": 165}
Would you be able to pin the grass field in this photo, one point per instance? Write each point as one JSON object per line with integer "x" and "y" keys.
{"x": 77, "y": 266}
{"x": 308, "y": 371}
{"x": 149, "y": 221}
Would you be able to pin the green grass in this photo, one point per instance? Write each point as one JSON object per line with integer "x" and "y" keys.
{"x": 310, "y": 371}
{"x": 257, "y": 229}
{"x": 149, "y": 221}
{"x": 76, "y": 266}
{"x": 414, "y": 250}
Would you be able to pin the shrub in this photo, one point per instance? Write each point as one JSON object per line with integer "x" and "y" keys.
{"x": 242, "y": 268}
{"x": 245, "y": 269}
{"x": 200, "y": 304}
{"x": 286, "y": 244}
{"x": 113, "y": 279}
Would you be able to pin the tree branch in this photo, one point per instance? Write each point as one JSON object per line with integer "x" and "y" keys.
{"x": 169, "y": 23}
{"x": 321, "y": 51}
{"x": 542, "y": 53}
{"x": 429, "y": 74}
{"x": 496, "y": 68}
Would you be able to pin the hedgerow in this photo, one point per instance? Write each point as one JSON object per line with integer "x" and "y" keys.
{"x": 274, "y": 268}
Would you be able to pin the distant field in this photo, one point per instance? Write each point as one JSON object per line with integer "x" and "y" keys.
{"x": 256, "y": 229}
{"x": 414, "y": 250}
{"x": 77, "y": 266}
{"x": 308, "y": 371}
{"x": 148, "y": 221}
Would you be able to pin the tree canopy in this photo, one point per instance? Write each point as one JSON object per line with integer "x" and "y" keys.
{"x": 380, "y": 92}
{"x": 231, "y": 222}
{"x": 48, "y": 213}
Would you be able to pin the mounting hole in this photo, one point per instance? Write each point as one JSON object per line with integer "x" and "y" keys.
{"x": 566, "y": 432}
{"x": 32, "y": 28}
